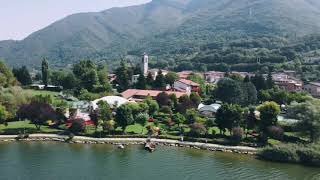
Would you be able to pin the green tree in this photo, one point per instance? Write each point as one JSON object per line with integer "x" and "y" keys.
{"x": 141, "y": 84}
{"x": 171, "y": 77}
{"x": 142, "y": 119}
{"x": 163, "y": 99}
{"x": 149, "y": 80}
{"x": 7, "y": 78}
{"x": 195, "y": 99}
{"x": 228, "y": 116}
{"x": 45, "y": 72}
{"x": 3, "y": 114}
{"x": 160, "y": 82}
{"x": 123, "y": 76}
{"x": 269, "y": 112}
{"x": 229, "y": 91}
{"x": 153, "y": 106}
{"x": 178, "y": 119}
{"x": 22, "y": 75}
{"x": 86, "y": 72}
{"x": 259, "y": 82}
{"x": 269, "y": 82}
{"x": 309, "y": 115}
{"x": 250, "y": 94}
{"x": 124, "y": 116}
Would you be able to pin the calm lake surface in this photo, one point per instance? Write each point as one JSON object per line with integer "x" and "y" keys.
{"x": 46, "y": 161}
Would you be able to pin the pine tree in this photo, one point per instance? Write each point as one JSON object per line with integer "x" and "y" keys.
{"x": 160, "y": 81}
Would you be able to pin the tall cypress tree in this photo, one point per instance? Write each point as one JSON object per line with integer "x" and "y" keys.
{"x": 45, "y": 72}
{"x": 141, "y": 84}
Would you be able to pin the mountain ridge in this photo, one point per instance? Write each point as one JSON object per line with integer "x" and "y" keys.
{"x": 114, "y": 32}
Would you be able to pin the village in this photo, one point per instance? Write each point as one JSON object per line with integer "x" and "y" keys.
{"x": 287, "y": 81}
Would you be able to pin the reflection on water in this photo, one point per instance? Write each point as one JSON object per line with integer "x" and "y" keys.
{"x": 75, "y": 161}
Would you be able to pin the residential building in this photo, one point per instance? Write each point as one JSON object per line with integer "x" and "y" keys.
{"x": 287, "y": 82}
{"x": 140, "y": 95}
{"x": 313, "y": 88}
{"x": 208, "y": 110}
{"x": 188, "y": 86}
{"x": 214, "y": 76}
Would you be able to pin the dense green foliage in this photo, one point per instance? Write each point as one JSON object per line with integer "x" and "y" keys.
{"x": 307, "y": 154}
{"x": 182, "y": 34}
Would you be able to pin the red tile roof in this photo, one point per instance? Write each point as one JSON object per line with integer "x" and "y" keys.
{"x": 188, "y": 82}
{"x": 153, "y": 93}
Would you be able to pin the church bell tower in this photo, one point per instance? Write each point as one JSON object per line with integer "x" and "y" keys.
{"x": 144, "y": 64}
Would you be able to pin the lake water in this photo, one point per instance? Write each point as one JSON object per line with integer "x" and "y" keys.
{"x": 46, "y": 161}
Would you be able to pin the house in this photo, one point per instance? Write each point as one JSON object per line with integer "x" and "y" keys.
{"x": 188, "y": 86}
{"x": 288, "y": 83}
{"x": 214, "y": 76}
{"x": 208, "y": 110}
{"x": 140, "y": 95}
{"x": 313, "y": 88}
{"x": 113, "y": 101}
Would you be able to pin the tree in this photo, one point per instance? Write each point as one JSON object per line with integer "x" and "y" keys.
{"x": 192, "y": 116}
{"x": 195, "y": 99}
{"x": 229, "y": 91}
{"x": 269, "y": 82}
{"x": 178, "y": 119}
{"x": 184, "y": 104}
{"x": 171, "y": 77}
{"x": 45, "y": 72}
{"x": 269, "y": 112}
{"x": 309, "y": 115}
{"x": 153, "y": 106}
{"x": 22, "y": 75}
{"x": 70, "y": 81}
{"x": 7, "y": 78}
{"x": 141, "y": 84}
{"x": 163, "y": 99}
{"x": 142, "y": 119}
{"x": 250, "y": 94}
{"x": 3, "y": 114}
{"x": 251, "y": 120}
{"x": 38, "y": 113}
{"x": 86, "y": 72}
{"x": 105, "y": 112}
{"x": 123, "y": 76}
{"x": 228, "y": 116}
{"x": 77, "y": 126}
{"x": 149, "y": 80}
{"x": 259, "y": 82}
{"x": 124, "y": 116}
{"x": 104, "y": 80}
{"x": 160, "y": 82}
{"x": 109, "y": 126}
{"x": 198, "y": 129}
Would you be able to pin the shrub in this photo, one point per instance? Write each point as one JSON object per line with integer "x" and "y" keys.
{"x": 198, "y": 130}
{"x": 275, "y": 132}
{"x": 280, "y": 153}
{"x": 309, "y": 156}
{"x": 237, "y": 134}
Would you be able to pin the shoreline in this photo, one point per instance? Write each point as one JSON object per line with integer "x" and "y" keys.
{"x": 131, "y": 141}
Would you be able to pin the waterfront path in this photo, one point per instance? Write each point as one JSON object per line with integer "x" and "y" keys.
{"x": 168, "y": 142}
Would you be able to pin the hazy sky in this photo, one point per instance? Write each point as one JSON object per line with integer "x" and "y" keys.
{"x": 19, "y": 18}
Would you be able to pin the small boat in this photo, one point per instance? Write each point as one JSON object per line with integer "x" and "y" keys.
{"x": 150, "y": 146}
{"x": 120, "y": 146}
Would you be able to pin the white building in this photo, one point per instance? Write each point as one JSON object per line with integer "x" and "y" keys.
{"x": 113, "y": 101}
{"x": 208, "y": 110}
{"x": 184, "y": 85}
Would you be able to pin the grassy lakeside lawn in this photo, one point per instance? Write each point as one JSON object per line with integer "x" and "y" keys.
{"x": 27, "y": 127}
{"x": 54, "y": 95}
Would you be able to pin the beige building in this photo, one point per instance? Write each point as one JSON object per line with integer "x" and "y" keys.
{"x": 313, "y": 88}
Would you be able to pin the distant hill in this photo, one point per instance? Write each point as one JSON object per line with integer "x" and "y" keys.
{"x": 161, "y": 27}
